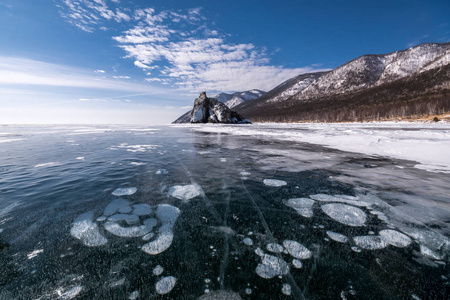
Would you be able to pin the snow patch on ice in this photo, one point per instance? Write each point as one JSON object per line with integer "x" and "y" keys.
{"x": 297, "y": 263}
{"x": 84, "y": 229}
{"x": 34, "y": 253}
{"x": 165, "y": 285}
{"x": 47, "y": 164}
{"x": 162, "y": 172}
{"x": 345, "y": 214}
{"x": 185, "y": 192}
{"x": 70, "y": 294}
{"x": 133, "y": 231}
{"x": 274, "y": 182}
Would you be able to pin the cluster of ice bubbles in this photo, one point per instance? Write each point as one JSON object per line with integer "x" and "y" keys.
{"x": 123, "y": 219}
{"x": 349, "y": 210}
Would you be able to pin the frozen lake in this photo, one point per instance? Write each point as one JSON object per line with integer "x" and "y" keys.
{"x": 225, "y": 212}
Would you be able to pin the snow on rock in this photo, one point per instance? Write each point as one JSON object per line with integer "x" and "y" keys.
{"x": 84, "y": 229}
{"x": 271, "y": 266}
{"x": 303, "y": 206}
{"x": 124, "y": 191}
{"x": 345, "y": 214}
{"x": 275, "y": 248}
{"x": 165, "y": 285}
{"x": 142, "y": 209}
{"x": 185, "y": 192}
{"x": 370, "y": 242}
{"x": 337, "y": 237}
{"x": 274, "y": 182}
{"x": 297, "y": 250}
{"x": 395, "y": 238}
{"x": 168, "y": 215}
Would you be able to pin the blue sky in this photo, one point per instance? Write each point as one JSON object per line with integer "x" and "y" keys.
{"x": 117, "y": 61}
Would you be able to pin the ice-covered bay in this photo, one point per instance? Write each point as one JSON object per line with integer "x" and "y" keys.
{"x": 276, "y": 220}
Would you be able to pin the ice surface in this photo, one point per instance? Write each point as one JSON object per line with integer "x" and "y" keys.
{"x": 345, "y": 214}
{"x": 47, "y": 164}
{"x": 244, "y": 173}
{"x": 395, "y": 238}
{"x": 286, "y": 289}
{"x": 271, "y": 266}
{"x": 114, "y": 205}
{"x": 158, "y": 270}
{"x": 339, "y": 198}
{"x": 142, "y": 209}
{"x": 303, "y": 206}
{"x": 337, "y": 237}
{"x": 274, "y": 182}
{"x": 275, "y": 248}
{"x": 248, "y": 241}
{"x": 168, "y": 215}
{"x": 129, "y": 219}
{"x": 296, "y": 249}
{"x": 223, "y": 159}
{"x": 137, "y": 163}
{"x": 220, "y": 295}
{"x": 185, "y": 192}
{"x": 124, "y": 191}
{"x": 370, "y": 242}
{"x": 125, "y": 209}
{"x": 133, "y": 231}
{"x": 392, "y": 139}
{"x": 165, "y": 285}
{"x": 84, "y": 229}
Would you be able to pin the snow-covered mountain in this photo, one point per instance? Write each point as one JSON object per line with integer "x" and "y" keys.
{"x": 389, "y": 77}
{"x": 230, "y": 100}
{"x": 234, "y": 99}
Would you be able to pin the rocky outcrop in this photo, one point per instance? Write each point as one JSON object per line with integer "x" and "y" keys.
{"x": 210, "y": 110}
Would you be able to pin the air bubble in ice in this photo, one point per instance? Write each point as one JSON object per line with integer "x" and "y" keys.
{"x": 370, "y": 242}
{"x": 274, "y": 182}
{"x": 286, "y": 289}
{"x": 114, "y": 206}
{"x": 297, "y": 250}
{"x": 167, "y": 214}
{"x": 125, "y": 210}
{"x": 148, "y": 236}
{"x": 248, "y": 241}
{"x": 185, "y": 192}
{"x": 297, "y": 263}
{"x": 84, "y": 229}
{"x": 165, "y": 285}
{"x": 129, "y": 219}
{"x": 345, "y": 214}
{"x": 337, "y": 237}
{"x": 134, "y": 231}
{"x": 124, "y": 191}
{"x": 395, "y": 238}
{"x": 158, "y": 270}
{"x": 303, "y": 206}
{"x": 248, "y": 291}
{"x": 142, "y": 209}
{"x": 134, "y": 295}
{"x": 259, "y": 252}
{"x": 275, "y": 248}
{"x": 72, "y": 293}
{"x": 271, "y": 266}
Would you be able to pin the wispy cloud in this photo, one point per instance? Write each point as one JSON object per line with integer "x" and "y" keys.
{"x": 23, "y": 71}
{"x": 181, "y": 49}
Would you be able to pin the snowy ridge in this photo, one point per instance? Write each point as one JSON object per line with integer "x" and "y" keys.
{"x": 375, "y": 70}
{"x": 234, "y": 99}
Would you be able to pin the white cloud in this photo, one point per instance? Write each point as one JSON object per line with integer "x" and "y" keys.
{"x": 99, "y": 71}
{"x": 23, "y": 71}
{"x": 121, "y": 77}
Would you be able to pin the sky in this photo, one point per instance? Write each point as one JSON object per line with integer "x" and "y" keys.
{"x": 145, "y": 62}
